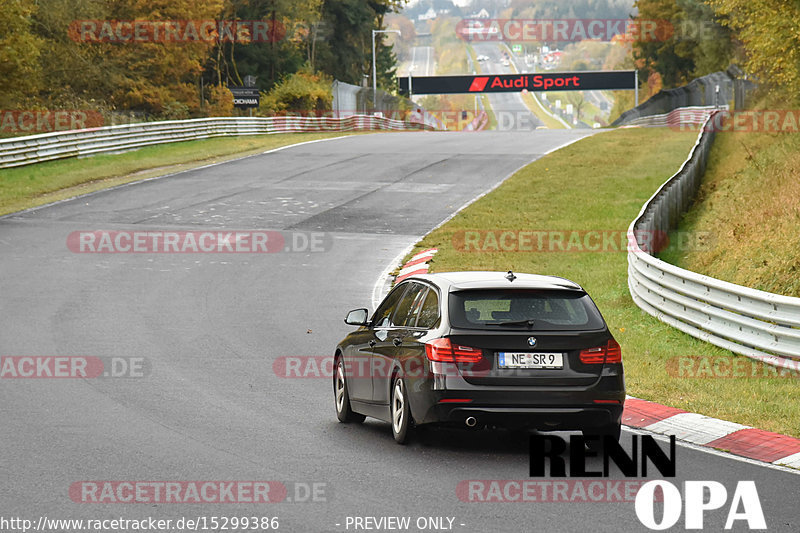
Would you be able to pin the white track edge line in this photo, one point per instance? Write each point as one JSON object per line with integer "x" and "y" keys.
{"x": 169, "y": 175}
{"x": 382, "y": 282}
{"x": 713, "y": 451}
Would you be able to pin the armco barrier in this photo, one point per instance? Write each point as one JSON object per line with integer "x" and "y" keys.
{"x": 716, "y": 89}
{"x": 676, "y": 117}
{"x": 59, "y": 145}
{"x": 757, "y": 324}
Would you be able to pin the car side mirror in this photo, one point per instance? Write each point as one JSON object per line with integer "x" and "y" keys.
{"x": 357, "y": 317}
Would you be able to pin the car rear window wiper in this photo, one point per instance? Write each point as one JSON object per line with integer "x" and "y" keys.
{"x": 528, "y": 323}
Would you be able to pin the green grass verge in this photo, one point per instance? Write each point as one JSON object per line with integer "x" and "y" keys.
{"x": 551, "y": 123}
{"x": 42, "y": 183}
{"x": 600, "y": 183}
{"x": 474, "y": 57}
{"x": 750, "y": 194}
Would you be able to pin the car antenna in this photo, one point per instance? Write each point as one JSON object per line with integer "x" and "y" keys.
{"x": 510, "y": 276}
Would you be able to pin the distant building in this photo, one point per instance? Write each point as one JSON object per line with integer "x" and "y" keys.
{"x": 482, "y": 14}
{"x": 428, "y": 15}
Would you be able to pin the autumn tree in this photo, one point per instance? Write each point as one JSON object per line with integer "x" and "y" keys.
{"x": 20, "y": 48}
{"x": 48, "y": 57}
{"x": 346, "y": 54}
{"x": 768, "y": 31}
{"x": 690, "y": 41}
{"x": 284, "y": 52}
{"x": 75, "y": 73}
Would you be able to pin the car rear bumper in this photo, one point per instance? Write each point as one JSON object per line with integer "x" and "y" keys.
{"x": 553, "y": 408}
{"x": 541, "y": 418}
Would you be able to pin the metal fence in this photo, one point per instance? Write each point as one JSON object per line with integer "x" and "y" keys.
{"x": 713, "y": 90}
{"x": 20, "y": 151}
{"x": 757, "y": 324}
{"x": 345, "y": 99}
{"x": 676, "y": 118}
{"x": 351, "y": 99}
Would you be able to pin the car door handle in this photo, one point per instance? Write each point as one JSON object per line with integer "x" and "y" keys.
{"x": 372, "y": 344}
{"x": 397, "y": 341}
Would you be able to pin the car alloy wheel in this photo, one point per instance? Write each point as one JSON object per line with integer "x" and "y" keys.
{"x": 342, "y": 398}
{"x": 401, "y": 413}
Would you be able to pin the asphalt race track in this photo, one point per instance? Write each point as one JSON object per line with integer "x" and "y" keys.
{"x": 210, "y": 326}
{"x": 422, "y": 61}
{"x": 511, "y": 112}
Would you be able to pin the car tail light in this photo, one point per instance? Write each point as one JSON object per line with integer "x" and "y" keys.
{"x": 610, "y": 353}
{"x": 442, "y": 350}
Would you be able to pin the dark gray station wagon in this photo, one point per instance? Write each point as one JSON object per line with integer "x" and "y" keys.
{"x": 482, "y": 349}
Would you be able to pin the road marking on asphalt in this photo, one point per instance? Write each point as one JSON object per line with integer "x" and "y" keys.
{"x": 712, "y": 451}
{"x": 171, "y": 174}
{"x": 713, "y": 435}
{"x": 792, "y": 460}
{"x": 280, "y": 148}
{"x": 695, "y": 428}
{"x": 383, "y": 283}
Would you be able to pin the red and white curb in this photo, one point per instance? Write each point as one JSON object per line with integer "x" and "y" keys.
{"x": 418, "y": 264}
{"x": 701, "y": 430}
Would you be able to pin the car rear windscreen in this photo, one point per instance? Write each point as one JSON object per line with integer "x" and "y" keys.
{"x": 548, "y": 310}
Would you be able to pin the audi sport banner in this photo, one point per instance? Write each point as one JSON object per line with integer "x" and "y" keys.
{"x": 245, "y": 97}
{"x": 504, "y": 83}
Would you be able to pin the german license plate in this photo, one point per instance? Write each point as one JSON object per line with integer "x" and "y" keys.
{"x": 530, "y": 360}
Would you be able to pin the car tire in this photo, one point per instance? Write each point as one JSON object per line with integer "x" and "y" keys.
{"x": 400, "y": 412}
{"x": 341, "y": 397}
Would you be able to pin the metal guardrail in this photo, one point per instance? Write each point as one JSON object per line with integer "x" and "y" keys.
{"x": 715, "y": 89}
{"x": 676, "y": 118}
{"x": 20, "y": 151}
{"x": 757, "y": 324}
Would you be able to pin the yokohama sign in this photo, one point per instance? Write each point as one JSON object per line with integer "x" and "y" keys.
{"x": 503, "y": 83}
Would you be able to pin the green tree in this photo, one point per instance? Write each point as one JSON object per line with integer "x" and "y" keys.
{"x": 347, "y": 52}
{"x": 19, "y": 53}
{"x": 696, "y": 45}
{"x": 76, "y": 74}
{"x": 286, "y": 52}
{"x": 48, "y": 57}
{"x": 298, "y": 92}
{"x": 768, "y": 31}
{"x": 157, "y": 75}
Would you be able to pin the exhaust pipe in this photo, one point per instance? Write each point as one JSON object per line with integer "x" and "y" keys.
{"x": 471, "y": 421}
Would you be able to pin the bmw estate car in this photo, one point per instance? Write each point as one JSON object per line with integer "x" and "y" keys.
{"x": 482, "y": 349}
